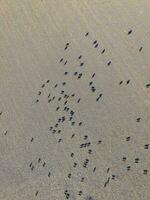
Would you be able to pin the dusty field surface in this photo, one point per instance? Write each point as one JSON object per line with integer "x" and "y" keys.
{"x": 74, "y": 99}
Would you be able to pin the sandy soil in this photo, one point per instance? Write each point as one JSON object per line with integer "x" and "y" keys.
{"x": 74, "y": 99}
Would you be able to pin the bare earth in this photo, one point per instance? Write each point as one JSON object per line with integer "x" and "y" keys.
{"x": 74, "y": 99}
